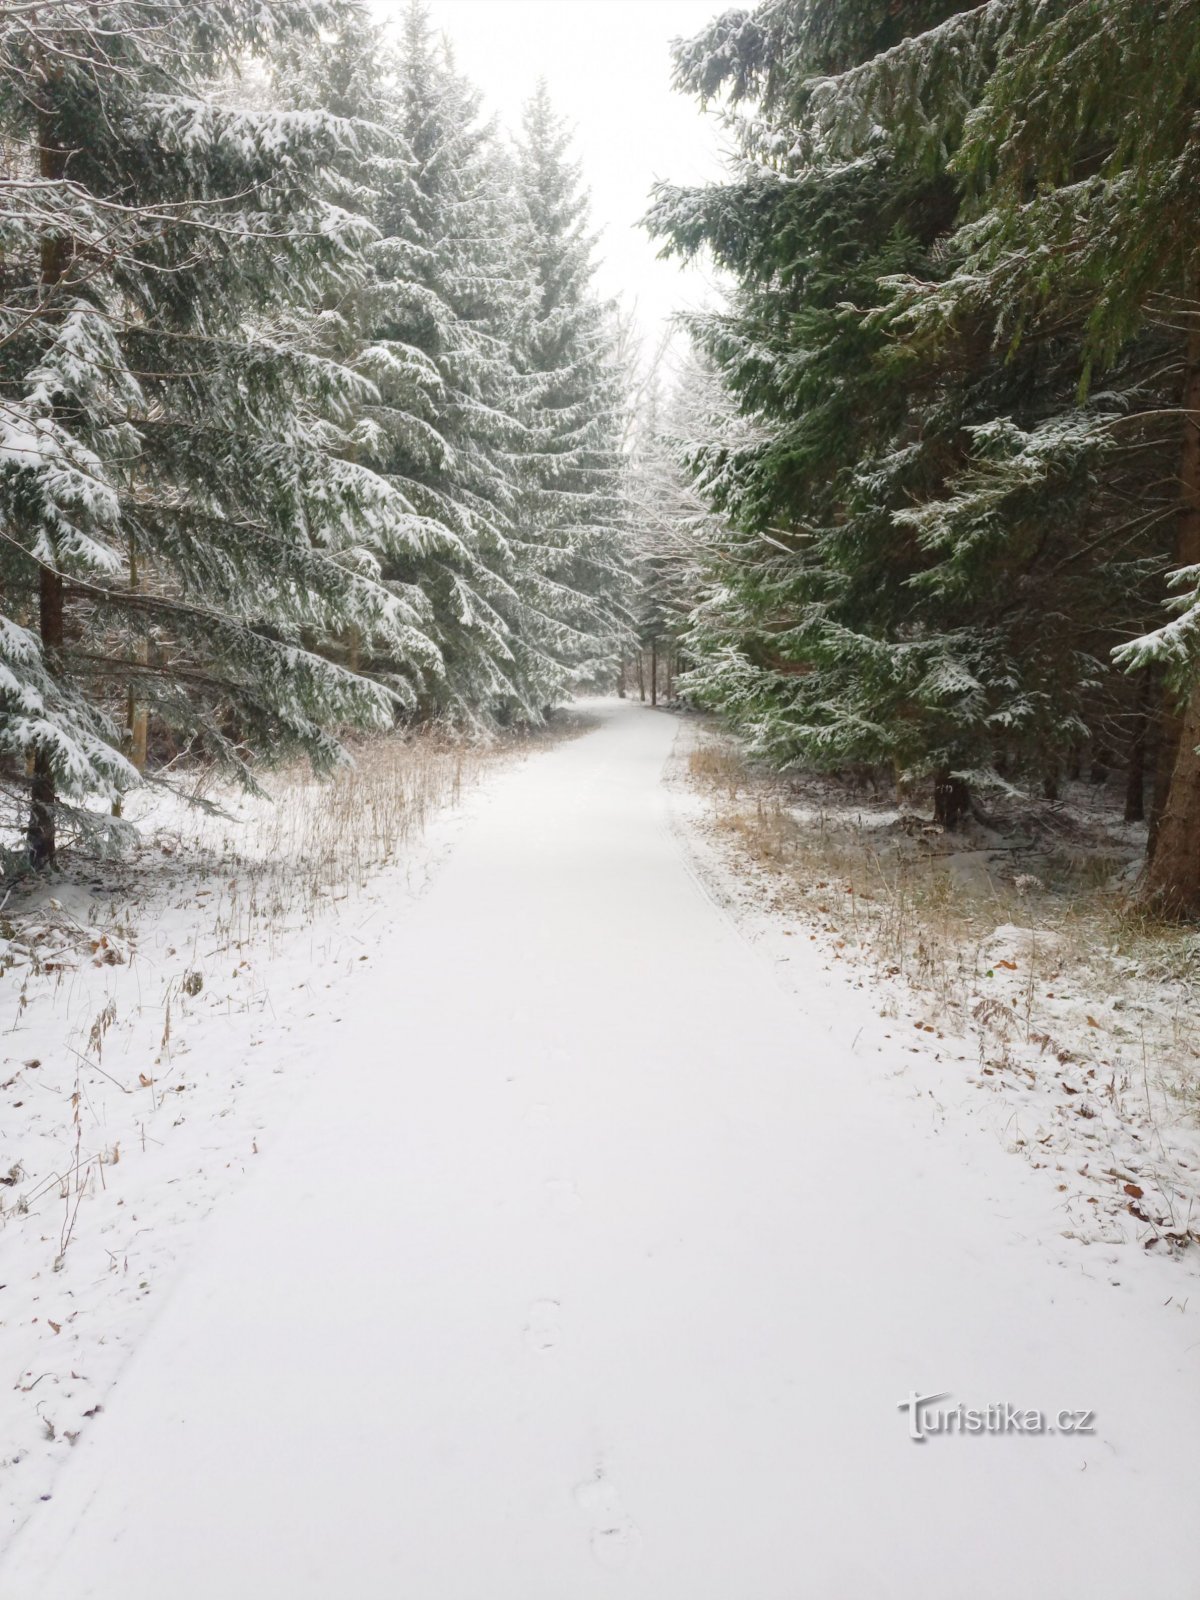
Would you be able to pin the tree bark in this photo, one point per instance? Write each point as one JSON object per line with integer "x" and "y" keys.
{"x": 43, "y": 800}
{"x": 41, "y": 833}
{"x": 654, "y": 672}
{"x": 1135, "y": 777}
{"x": 951, "y": 800}
{"x": 1172, "y": 882}
{"x": 641, "y": 676}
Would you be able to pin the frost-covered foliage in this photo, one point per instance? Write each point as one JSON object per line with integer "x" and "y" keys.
{"x": 497, "y": 399}
{"x": 677, "y": 538}
{"x": 573, "y": 514}
{"x": 265, "y": 419}
{"x": 959, "y": 499}
{"x": 175, "y": 525}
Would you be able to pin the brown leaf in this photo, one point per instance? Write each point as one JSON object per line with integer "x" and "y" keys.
{"x": 57, "y": 1326}
{"x": 1010, "y": 965}
{"x": 1092, "y": 1023}
{"x": 1132, "y": 1188}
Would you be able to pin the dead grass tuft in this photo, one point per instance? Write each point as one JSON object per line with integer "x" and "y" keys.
{"x": 1025, "y": 928}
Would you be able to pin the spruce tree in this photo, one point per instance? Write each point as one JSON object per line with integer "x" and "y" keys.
{"x": 677, "y": 541}
{"x": 177, "y": 529}
{"x": 1079, "y": 213}
{"x": 435, "y": 324}
{"x": 498, "y": 401}
{"x": 572, "y": 508}
{"x": 917, "y": 578}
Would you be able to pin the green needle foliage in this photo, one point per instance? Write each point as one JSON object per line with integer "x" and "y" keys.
{"x": 964, "y": 326}
{"x": 267, "y": 436}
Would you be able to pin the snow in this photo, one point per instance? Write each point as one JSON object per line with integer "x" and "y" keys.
{"x": 597, "y": 1256}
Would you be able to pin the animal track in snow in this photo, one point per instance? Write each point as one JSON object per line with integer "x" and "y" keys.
{"x": 616, "y": 1538}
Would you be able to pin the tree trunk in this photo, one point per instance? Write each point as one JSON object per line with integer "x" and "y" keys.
{"x": 951, "y": 800}
{"x": 670, "y": 673}
{"x": 43, "y": 798}
{"x": 1167, "y": 728}
{"x": 1173, "y": 875}
{"x": 654, "y": 672}
{"x": 139, "y": 721}
{"x": 1172, "y": 883}
{"x": 137, "y": 718}
{"x": 641, "y": 676}
{"x": 1135, "y": 777}
{"x": 621, "y": 679}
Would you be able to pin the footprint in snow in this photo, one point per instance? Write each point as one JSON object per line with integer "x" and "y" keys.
{"x": 616, "y": 1538}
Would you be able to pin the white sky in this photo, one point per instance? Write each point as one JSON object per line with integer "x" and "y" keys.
{"x": 607, "y": 64}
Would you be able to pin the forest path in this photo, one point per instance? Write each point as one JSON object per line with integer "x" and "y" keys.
{"x": 595, "y": 1264}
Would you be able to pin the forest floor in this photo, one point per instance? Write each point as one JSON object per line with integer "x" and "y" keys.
{"x": 1016, "y": 944}
{"x": 549, "y": 1199}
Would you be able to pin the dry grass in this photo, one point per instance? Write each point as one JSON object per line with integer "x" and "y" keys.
{"x": 925, "y": 907}
{"x": 244, "y": 871}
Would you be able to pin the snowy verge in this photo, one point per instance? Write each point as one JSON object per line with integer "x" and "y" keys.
{"x": 1079, "y": 1095}
{"x": 157, "y": 1020}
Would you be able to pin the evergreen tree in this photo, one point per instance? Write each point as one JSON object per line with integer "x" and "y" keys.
{"x": 436, "y": 325}
{"x": 917, "y": 575}
{"x": 450, "y": 289}
{"x": 498, "y": 401}
{"x": 1075, "y": 213}
{"x": 678, "y": 542}
{"x": 177, "y": 528}
{"x": 572, "y": 508}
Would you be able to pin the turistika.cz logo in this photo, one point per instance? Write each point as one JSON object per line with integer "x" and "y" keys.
{"x": 926, "y": 1417}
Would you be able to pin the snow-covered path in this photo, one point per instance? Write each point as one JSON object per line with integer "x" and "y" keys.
{"x": 596, "y": 1264}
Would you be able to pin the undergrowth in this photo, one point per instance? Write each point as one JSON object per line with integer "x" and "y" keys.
{"x": 1038, "y": 899}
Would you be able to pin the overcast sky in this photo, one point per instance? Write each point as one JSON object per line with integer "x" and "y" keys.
{"x": 607, "y": 63}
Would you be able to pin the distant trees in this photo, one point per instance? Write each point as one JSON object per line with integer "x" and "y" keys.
{"x": 267, "y": 431}
{"x": 676, "y": 536}
{"x": 573, "y": 515}
{"x": 965, "y": 325}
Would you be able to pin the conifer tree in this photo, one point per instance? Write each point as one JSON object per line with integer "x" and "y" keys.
{"x": 918, "y": 577}
{"x": 678, "y": 542}
{"x": 1076, "y": 213}
{"x": 176, "y": 528}
{"x": 572, "y": 504}
{"x": 435, "y": 324}
{"x": 498, "y": 400}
